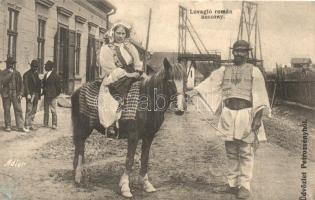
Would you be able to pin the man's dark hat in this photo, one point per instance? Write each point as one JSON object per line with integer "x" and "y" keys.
{"x": 34, "y": 63}
{"x": 241, "y": 44}
{"x": 10, "y": 60}
{"x": 50, "y": 63}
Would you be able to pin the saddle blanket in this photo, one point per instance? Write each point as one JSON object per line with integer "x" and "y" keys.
{"x": 129, "y": 109}
{"x": 88, "y": 100}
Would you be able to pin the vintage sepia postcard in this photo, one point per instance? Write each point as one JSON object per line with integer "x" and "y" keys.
{"x": 157, "y": 99}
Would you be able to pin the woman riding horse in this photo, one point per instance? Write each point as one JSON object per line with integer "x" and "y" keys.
{"x": 159, "y": 91}
{"x": 120, "y": 61}
{"x": 156, "y": 95}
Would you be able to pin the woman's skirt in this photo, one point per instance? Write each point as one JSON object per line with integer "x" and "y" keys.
{"x": 120, "y": 88}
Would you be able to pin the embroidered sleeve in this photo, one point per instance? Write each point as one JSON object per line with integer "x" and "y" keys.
{"x": 260, "y": 95}
{"x": 211, "y": 90}
{"x": 108, "y": 64}
{"x": 106, "y": 59}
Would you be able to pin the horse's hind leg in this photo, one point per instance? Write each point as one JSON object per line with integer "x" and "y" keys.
{"x": 145, "y": 152}
{"x": 78, "y": 160}
{"x": 79, "y": 145}
{"x": 133, "y": 138}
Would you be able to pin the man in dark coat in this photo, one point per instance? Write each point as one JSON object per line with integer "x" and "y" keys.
{"x": 4, "y": 76}
{"x": 32, "y": 92}
{"x": 51, "y": 90}
{"x": 11, "y": 93}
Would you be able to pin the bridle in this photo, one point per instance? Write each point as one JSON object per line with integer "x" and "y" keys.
{"x": 171, "y": 81}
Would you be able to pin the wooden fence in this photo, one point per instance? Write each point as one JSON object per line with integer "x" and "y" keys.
{"x": 294, "y": 85}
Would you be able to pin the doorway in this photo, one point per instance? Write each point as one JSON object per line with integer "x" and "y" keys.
{"x": 65, "y": 57}
{"x": 91, "y": 59}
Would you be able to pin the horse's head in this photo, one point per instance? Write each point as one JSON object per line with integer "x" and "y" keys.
{"x": 174, "y": 78}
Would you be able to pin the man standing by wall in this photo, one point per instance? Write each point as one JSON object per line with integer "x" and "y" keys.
{"x": 32, "y": 91}
{"x": 238, "y": 94}
{"x": 5, "y": 75}
{"x": 12, "y": 92}
{"x": 51, "y": 90}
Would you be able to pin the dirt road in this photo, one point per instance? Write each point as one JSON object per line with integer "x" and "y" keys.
{"x": 187, "y": 163}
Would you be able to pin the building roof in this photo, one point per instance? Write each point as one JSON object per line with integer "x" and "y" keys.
{"x": 200, "y": 57}
{"x": 301, "y": 61}
{"x": 156, "y": 61}
{"x": 205, "y": 67}
{"x": 103, "y": 5}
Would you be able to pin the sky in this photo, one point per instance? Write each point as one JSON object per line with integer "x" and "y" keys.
{"x": 287, "y": 28}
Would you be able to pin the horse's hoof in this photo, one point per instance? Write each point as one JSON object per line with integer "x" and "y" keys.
{"x": 77, "y": 180}
{"x": 125, "y": 190}
{"x": 124, "y": 187}
{"x": 126, "y": 194}
{"x": 78, "y": 177}
{"x": 148, "y": 187}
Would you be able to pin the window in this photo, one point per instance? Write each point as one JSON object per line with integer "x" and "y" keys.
{"x": 77, "y": 53}
{"x": 41, "y": 44}
{"x": 12, "y": 32}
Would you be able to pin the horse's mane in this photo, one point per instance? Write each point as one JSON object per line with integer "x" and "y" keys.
{"x": 176, "y": 72}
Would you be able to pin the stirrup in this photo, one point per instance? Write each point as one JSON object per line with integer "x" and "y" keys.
{"x": 112, "y": 132}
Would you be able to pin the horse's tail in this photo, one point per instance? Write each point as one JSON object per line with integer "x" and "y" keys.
{"x": 75, "y": 113}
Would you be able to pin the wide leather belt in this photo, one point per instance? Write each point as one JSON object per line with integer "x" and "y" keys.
{"x": 237, "y": 104}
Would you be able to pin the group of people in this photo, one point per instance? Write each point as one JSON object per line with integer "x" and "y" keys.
{"x": 236, "y": 93}
{"x": 13, "y": 88}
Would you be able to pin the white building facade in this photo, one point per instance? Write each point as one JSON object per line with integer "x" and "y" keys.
{"x": 68, "y": 32}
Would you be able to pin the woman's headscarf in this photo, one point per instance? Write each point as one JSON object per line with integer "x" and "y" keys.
{"x": 110, "y": 34}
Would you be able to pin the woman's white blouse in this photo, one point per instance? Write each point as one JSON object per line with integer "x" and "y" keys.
{"x": 107, "y": 60}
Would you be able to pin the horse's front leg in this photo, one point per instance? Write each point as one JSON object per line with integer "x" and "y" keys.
{"x": 133, "y": 138}
{"x": 145, "y": 153}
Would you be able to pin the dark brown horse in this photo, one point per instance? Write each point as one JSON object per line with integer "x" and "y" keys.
{"x": 156, "y": 94}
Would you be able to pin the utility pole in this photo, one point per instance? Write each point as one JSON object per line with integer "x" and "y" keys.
{"x": 249, "y": 31}
{"x": 185, "y": 26}
{"x": 182, "y": 31}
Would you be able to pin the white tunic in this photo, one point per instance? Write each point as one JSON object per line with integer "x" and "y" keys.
{"x": 235, "y": 124}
